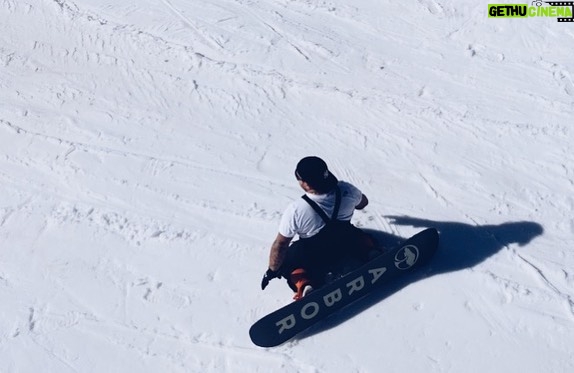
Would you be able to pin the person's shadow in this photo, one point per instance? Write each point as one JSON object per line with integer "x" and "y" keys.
{"x": 464, "y": 245}
{"x": 460, "y": 246}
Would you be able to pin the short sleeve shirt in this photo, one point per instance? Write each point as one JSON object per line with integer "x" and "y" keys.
{"x": 300, "y": 219}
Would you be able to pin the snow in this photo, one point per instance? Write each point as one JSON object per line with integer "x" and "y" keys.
{"x": 147, "y": 151}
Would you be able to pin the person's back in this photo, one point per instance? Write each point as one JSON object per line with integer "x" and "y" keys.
{"x": 301, "y": 219}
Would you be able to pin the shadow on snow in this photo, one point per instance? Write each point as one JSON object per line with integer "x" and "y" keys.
{"x": 460, "y": 246}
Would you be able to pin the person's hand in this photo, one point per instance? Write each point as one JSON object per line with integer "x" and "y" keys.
{"x": 268, "y": 276}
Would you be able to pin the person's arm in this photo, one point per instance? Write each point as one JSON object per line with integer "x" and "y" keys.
{"x": 364, "y": 202}
{"x": 278, "y": 251}
{"x": 276, "y": 257}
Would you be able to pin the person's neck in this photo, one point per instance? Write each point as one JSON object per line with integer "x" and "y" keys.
{"x": 315, "y": 192}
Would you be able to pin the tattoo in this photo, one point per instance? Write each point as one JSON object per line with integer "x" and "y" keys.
{"x": 277, "y": 253}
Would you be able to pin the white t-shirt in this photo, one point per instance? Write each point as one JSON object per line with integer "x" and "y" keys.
{"x": 300, "y": 218}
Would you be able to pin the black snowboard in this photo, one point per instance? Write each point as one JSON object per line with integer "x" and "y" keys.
{"x": 286, "y": 322}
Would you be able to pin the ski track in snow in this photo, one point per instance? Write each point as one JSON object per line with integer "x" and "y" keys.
{"x": 147, "y": 151}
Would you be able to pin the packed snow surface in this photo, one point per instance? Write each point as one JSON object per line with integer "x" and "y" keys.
{"x": 147, "y": 151}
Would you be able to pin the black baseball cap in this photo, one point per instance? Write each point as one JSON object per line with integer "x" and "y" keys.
{"x": 313, "y": 170}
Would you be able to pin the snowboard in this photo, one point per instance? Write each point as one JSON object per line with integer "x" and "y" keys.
{"x": 286, "y": 322}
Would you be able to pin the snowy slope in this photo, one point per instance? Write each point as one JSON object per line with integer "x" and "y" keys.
{"x": 147, "y": 151}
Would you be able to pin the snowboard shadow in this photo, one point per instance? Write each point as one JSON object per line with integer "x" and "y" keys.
{"x": 460, "y": 246}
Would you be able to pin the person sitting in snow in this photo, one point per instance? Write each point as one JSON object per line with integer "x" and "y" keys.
{"x": 322, "y": 220}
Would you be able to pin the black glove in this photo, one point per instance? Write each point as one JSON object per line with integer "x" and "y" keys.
{"x": 268, "y": 276}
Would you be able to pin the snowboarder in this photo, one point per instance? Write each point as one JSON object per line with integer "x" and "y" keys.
{"x": 322, "y": 221}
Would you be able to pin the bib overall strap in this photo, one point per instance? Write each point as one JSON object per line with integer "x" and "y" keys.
{"x": 320, "y": 211}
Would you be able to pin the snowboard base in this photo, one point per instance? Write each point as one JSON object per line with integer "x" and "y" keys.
{"x": 286, "y": 322}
